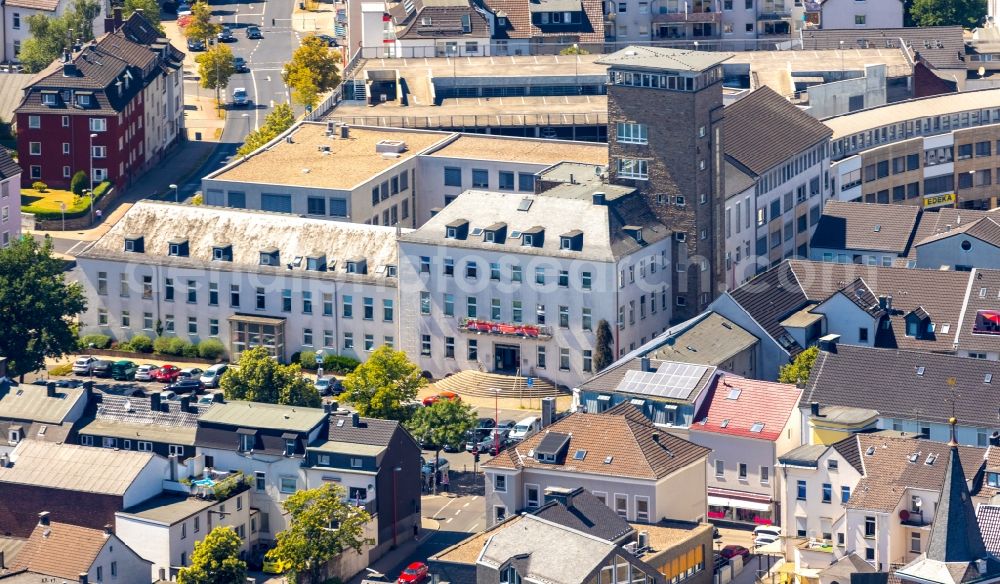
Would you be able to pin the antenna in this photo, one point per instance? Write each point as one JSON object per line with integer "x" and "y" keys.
{"x": 953, "y": 420}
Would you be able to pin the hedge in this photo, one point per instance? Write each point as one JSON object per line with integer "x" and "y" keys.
{"x": 139, "y": 344}
{"x": 99, "y": 341}
{"x": 211, "y": 349}
{"x": 331, "y": 363}
{"x": 40, "y": 215}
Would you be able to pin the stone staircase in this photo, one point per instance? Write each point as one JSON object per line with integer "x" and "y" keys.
{"x": 481, "y": 384}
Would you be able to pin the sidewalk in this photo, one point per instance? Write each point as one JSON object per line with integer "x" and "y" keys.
{"x": 428, "y": 527}
{"x": 318, "y": 21}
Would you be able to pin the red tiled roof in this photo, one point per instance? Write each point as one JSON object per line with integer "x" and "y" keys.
{"x": 60, "y": 550}
{"x": 740, "y": 403}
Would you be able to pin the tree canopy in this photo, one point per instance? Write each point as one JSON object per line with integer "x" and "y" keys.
{"x": 150, "y": 11}
{"x": 445, "y": 422}
{"x": 37, "y": 306}
{"x": 215, "y": 560}
{"x": 313, "y": 69}
{"x": 215, "y": 67}
{"x": 603, "y": 353}
{"x": 967, "y": 13}
{"x": 260, "y": 378}
{"x": 280, "y": 119}
{"x": 200, "y": 25}
{"x": 304, "y": 89}
{"x": 321, "y": 526}
{"x": 798, "y": 370}
{"x": 381, "y": 386}
{"x": 50, "y": 36}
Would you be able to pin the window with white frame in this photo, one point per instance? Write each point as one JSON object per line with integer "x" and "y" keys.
{"x": 98, "y": 125}
{"x": 621, "y": 505}
{"x": 500, "y": 483}
{"x": 288, "y": 485}
{"x": 642, "y": 509}
{"x": 632, "y": 133}
{"x": 633, "y": 168}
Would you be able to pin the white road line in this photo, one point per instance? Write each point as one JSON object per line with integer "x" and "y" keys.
{"x": 474, "y": 528}
{"x": 457, "y": 511}
{"x": 466, "y": 505}
{"x": 256, "y": 102}
{"x": 448, "y": 520}
{"x": 450, "y": 501}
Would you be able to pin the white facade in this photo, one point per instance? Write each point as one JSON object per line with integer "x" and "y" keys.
{"x": 10, "y": 209}
{"x": 861, "y": 14}
{"x": 169, "y": 543}
{"x": 163, "y": 101}
{"x": 845, "y": 318}
{"x": 118, "y": 562}
{"x": 958, "y": 250}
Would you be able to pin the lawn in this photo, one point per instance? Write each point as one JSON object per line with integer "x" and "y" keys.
{"x": 47, "y": 202}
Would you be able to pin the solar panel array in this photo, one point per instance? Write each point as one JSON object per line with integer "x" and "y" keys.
{"x": 670, "y": 380}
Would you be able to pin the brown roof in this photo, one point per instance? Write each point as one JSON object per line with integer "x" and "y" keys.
{"x": 763, "y": 130}
{"x": 985, "y": 229}
{"x": 889, "y": 470}
{"x": 60, "y": 550}
{"x": 633, "y": 452}
{"x": 983, "y": 295}
{"x": 942, "y": 220}
{"x": 866, "y": 226}
{"x": 445, "y": 21}
{"x": 519, "y": 26}
{"x": 862, "y": 296}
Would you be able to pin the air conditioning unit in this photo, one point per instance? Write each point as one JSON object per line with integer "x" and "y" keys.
{"x": 631, "y": 547}
{"x": 643, "y": 541}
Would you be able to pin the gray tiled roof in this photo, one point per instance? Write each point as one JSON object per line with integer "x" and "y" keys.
{"x": 862, "y": 296}
{"x": 445, "y": 22}
{"x": 8, "y": 167}
{"x": 660, "y": 58}
{"x": 771, "y": 297}
{"x": 944, "y": 219}
{"x": 834, "y": 381}
{"x": 371, "y": 431}
{"x": 763, "y": 130}
{"x": 984, "y": 295}
{"x": 588, "y": 514}
{"x": 942, "y": 46}
{"x": 866, "y": 226}
{"x": 713, "y": 340}
{"x": 986, "y": 229}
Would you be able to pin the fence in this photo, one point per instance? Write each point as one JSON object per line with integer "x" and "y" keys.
{"x": 476, "y": 121}
{"x": 337, "y": 95}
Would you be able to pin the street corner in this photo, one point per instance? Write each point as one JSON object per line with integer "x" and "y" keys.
{"x": 428, "y": 527}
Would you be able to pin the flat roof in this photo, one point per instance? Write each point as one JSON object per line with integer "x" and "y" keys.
{"x": 32, "y": 402}
{"x": 847, "y": 124}
{"x": 657, "y": 58}
{"x": 350, "y": 162}
{"x": 266, "y": 416}
{"x": 479, "y": 147}
{"x": 169, "y": 509}
{"x": 183, "y": 435}
{"x": 348, "y": 448}
{"x": 74, "y": 468}
{"x": 667, "y": 534}
{"x": 802, "y": 318}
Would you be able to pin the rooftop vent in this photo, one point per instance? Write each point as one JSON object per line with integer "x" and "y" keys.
{"x": 390, "y": 147}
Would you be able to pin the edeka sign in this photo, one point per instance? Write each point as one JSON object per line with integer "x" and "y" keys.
{"x": 939, "y": 200}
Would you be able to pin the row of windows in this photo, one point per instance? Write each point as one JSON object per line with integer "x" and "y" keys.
{"x": 481, "y": 179}
{"x": 392, "y": 215}
{"x": 516, "y": 311}
{"x": 741, "y": 472}
{"x": 391, "y": 187}
{"x": 126, "y": 444}
{"x": 924, "y": 126}
{"x": 472, "y": 353}
{"x": 96, "y": 124}
{"x": 786, "y": 172}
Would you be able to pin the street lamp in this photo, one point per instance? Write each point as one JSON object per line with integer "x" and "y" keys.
{"x": 395, "y": 517}
{"x": 177, "y": 197}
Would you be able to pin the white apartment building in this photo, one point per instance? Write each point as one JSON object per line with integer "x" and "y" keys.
{"x": 514, "y": 282}
{"x": 840, "y": 14}
{"x": 246, "y": 278}
{"x": 10, "y": 199}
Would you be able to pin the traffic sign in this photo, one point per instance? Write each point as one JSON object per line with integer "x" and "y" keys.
{"x": 530, "y": 382}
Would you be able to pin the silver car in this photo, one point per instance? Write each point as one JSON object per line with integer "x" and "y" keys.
{"x": 212, "y": 375}
{"x": 145, "y": 372}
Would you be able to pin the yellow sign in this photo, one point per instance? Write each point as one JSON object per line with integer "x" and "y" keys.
{"x": 938, "y": 200}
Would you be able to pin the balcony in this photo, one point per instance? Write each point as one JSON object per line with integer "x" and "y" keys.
{"x": 692, "y": 17}
{"x": 217, "y": 486}
{"x": 773, "y": 15}
{"x": 504, "y": 329}
{"x": 987, "y": 323}
{"x": 915, "y": 518}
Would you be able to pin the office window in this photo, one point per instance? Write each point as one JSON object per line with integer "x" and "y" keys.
{"x": 449, "y": 305}
{"x": 540, "y": 276}
{"x": 526, "y": 182}
{"x": 369, "y": 342}
{"x": 827, "y": 492}
{"x": 480, "y": 178}
{"x": 564, "y": 316}
{"x": 586, "y": 319}
{"x": 425, "y": 345}
{"x": 563, "y": 359}
{"x": 540, "y": 357}
{"x": 472, "y": 350}
{"x": 349, "y": 341}
{"x": 368, "y": 307}
{"x": 234, "y": 295}
{"x": 449, "y": 347}
{"x": 515, "y": 274}
{"x": 505, "y": 180}
{"x": 470, "y": 307}
{"x": 517, "y": 311}
{"x": 801, "y": 490}
{"x": 471, "y": 270}
{"x": 741, "y": 471}
{"x": 495, "y": 309}
{"x": 633, "y": 168}
{"x": 348, "y": 306}
{"x": 288, "y": 485}
{"x": 494, "y": 271}
{"x": 632, "y": 133}
{"x": 452, "y": 176}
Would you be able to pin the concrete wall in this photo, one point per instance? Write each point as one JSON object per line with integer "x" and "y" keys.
{"x": 832, "y": 99}
{"x": 148, "y": 483}
{"x": 680, "y": 495}
{"x": 949, "y": 252}
{"x": 844, "y": 318}
{"x": 838, "y": 14}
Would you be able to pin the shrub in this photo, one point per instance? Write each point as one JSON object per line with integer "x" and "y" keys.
{"x": 308, "y": 360}
{"x": 198, "y": 199}
{"x": 295, "y": 357}
{"x": 64, "y": 369}
{"x": 39, "y": 186}
{"x": 189, "y": 349}
{"x": 162, "y": 345}
{"x": 101, "y": 189}
{"x": 211, "y": 349}
{"x": 340, "y": 364}
{"x": 79, "y": 182}
{"x": 176, "y": 346}
{"x": 141, "y": 344}
{"x": 99, "y": 341}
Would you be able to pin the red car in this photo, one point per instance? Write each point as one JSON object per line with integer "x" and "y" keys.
{"x": 731, "y": 551}
{"x": 167, "y": 374}
{"x": 413, "y": 574}
{"x": 450, "y": 395}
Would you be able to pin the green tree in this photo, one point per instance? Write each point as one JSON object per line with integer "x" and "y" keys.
{"x": 445, "y": 422}
{"x": 260, "y": 378}
{"x": 381, "y": 386}
{"x": 50, "y": 36}
{"x": 304, "y": 89}
{"x": 798, "y": 370}
{"x": 603, "y": 352}
{"x": 280, "y": 119}
{"x": 150, "y": 11}
{"x": 79, "y": 182}
{"x": 81, "y": 18}
{"x": 968, "y": 13}
{"x": 315, "y": 57}
{"x": 215, "y": 67}
{"x": 215, "y": 560}
{"x": 574, "y": 49}
{"x": 321, "y": 526}
{"x": 37, "y": 304}
{"x": 201, "y": 27}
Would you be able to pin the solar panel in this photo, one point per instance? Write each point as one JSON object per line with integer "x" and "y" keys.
{"x": 670, "y": 380}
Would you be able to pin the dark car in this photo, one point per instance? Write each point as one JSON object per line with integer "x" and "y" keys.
{"x": 327, "y": 40}
{"x": 240, "y": 65}
{"x": 253, "y": 32}
{"x": 475, "y": 436}
{"x": 186, "y": 386}
{"x": 226, "y": 34}
{"x": 102, "y": 368}
{"x": 196, "y": 45}
{"x": 731, "y": 551}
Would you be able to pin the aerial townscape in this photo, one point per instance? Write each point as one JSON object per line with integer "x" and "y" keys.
{"x": 500, "y": 291}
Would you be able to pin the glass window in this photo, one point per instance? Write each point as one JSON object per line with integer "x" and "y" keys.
{"x": 506, "y": 180}
{"x": 480, "y": 178}
{"x": 452, "y": 176}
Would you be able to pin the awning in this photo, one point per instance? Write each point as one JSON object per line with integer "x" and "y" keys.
{"x": 738, "y": 503}
{"x": 253, "y": 319}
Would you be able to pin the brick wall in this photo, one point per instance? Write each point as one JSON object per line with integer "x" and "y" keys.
{"x": 21, "y": 504}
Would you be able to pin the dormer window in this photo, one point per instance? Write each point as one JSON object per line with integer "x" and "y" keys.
{"x": 390, "y": 271}
{"x": 489, "y": 237}
{"x": 14, "y": 435}
{"x": 50, "y": 99}
{"x": 451, "y": 233}
{"x": 533, "y": 237}
{"x": 270, "y": 257}
{"x": 357, "y": 266}
{"x": 247, "y": 439}
{"x": 83, "y": 100}
{"x": 316, "y": 263}
{"x": 564, "y": 243}
{"x": 178, "y": 247}
{"x": 134, "y": 244}
{"x": 635, "y": 232}
{"x": 457, "y": 229}
{"x": 496, "y": 233}
{"x": 572, "y": 241}
{"x": 289, "y": 447}
{"x": 222, "y": 253}
{"x": 527, "y": 239}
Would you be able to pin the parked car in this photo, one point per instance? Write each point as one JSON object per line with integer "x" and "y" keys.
{"x": 508, "y": 424}
{"x": 211, "y": 376}
{"x": 102, "y": 368}
{"x": 84, "y": 365}
{"x": 526, "y": 428}
{"x": 765, "y": 534}
{"x": 450, "y": 395}
{"x": 226, "y": 34}
{"x": 731, "y": 551}
{"x": 327, "y": 40}
{"x": 123, "y": 370}
{"x": 253, "y": 32}
{"x": 190, "y": 373}
{"x": 190, "y": 385}
{"x": 328, "y": 386}
{"x": 482, "y": 430}
{"x": 415, "y": 573}
{"x": 240, "y": 65}
{"x": 184, "y": 9}
{"x": 427, "y": 465}
{"x": 68, "y": 383}
{"x": 240, "y": 97}
{"x": 146, "y": 372}
{"x": 195, "y": 45}
{"x": 167, "y": 374}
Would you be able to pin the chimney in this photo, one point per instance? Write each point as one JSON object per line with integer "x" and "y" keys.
{"x": 355, "y": 419}
{"x": 328, "y": 407}
{"x": 43, "y": 518}
{"x": 883, "y": 302}
{"x": 598, "y": 198}
{"x": 108, "y": 530}
{"x": 172, "y": 463}
{"x": 995, "y": 439}
{"x": 828, "y": 343}
{"x": 154, "y": 402}
{"x": 656, "y": 437}
{"x": 185, "y": 403}
{"x": 644, "y": 364}
{"x": 69, "y": 69}
{"x": 88, "y": 389}
{"x": 345, "y": 131}
{"x": 572, "y": 180}
{"x": 218, "y": 398}
{"x": 981, "y": 566}
{"x": 83, "y": 578}
{"x": 4, "y": 460}
{"x": 50, "y": 389}
{"x": 814, "y": 409}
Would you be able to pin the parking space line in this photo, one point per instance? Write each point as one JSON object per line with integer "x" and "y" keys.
{"x": 457, "y": 511}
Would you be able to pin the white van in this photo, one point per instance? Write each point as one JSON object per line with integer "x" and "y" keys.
{"x": 525, "y": 429}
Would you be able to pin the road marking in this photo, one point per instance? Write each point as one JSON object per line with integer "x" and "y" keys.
{"x": 256, "y": 97}
{"x": 448, "y": 520}
{"x": 474, "y": 528}
{"x": 457, "y": 511}
{"x": 450, "y": 501}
